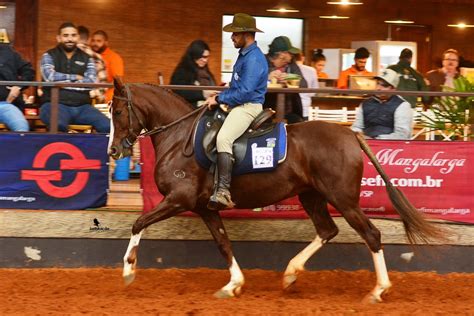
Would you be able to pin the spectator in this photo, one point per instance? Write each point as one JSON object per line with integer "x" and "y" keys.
{"x": 442, "y": 77}
{"x": 83, "y": 44}
{"x": 13, "y": 68}
{"x": 280, "y": 64}
{"x": 445, "y": 75}
{"x": 360, "y": 59}
{"x": 410, "y": 79}
{"x": 193, "y": 69}
{"x": 318, "y": 61}
{"x": 383, "y": 116}
{"x": 67, "y": 63}
{"x": 309, "y": 74}
{"x": 113, "y": 61}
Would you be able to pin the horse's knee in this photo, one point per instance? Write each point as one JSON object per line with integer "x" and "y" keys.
{"x": 328, "y": 234}
{"x": 374, "y": 239}
{"x": 137, "y": 227}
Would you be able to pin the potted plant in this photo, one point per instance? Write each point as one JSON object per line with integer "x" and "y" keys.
{"x": 451, "y": 114}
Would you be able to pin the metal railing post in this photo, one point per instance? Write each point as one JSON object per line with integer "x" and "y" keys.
{"x": 280, "y": 107}
{"x": 53, "y": 123}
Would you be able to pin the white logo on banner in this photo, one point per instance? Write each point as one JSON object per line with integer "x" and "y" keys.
{"x": 262, "y": 157}
{"x": 390, "y": 157}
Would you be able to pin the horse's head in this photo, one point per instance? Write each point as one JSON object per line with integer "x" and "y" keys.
{"x": 127, "y": 121}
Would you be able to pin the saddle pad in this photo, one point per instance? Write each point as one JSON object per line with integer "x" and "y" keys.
{"x": 254, "y": 154}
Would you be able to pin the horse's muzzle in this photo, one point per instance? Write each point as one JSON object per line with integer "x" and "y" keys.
{"x": 116, "y": 153}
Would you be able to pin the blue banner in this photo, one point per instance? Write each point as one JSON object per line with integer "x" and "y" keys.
{"x": 53, "y": 172}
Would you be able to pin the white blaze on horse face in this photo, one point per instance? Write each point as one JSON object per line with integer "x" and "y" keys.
{"x": 129, "y": 268}
{"x": 111, "y": 135}
{"x": 236, "y": 279}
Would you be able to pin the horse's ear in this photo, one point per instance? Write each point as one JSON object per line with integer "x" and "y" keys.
{"x": 118, "y": 84}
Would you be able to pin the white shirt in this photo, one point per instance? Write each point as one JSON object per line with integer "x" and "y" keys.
{"x": 311, "y": 77}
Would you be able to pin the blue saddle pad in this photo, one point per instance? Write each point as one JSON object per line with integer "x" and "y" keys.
{"x": 254, "y": 154}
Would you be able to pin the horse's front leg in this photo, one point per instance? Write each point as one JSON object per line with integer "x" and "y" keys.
{"x": 214, "y": 222}
{"x": 162, "y": 211}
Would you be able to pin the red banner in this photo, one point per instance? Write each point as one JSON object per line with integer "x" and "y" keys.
{"x": 435, "y": 176}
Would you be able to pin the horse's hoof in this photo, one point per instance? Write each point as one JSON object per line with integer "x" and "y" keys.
{"x": 228, "y": 294}
{"x": 371, "y": 299}
{"x": 128, "y": 279}
{"x": 289, "y": 280}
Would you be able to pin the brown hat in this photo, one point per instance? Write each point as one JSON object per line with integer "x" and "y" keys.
{"x": 242, "y": 23}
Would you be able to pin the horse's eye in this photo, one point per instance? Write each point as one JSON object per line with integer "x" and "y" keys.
{"x": 117, "y": 112}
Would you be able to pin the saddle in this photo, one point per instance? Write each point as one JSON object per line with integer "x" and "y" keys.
{"x": 260, "y": 148}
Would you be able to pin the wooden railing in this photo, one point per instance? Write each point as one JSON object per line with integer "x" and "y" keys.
{"x": 280, "y": 106}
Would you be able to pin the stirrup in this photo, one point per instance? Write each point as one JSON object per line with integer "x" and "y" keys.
{"x": 220, "y": 201}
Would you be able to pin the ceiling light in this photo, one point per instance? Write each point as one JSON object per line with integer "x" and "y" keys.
{"x": 399, "y": 21}
{"x": 345, "y": 2}
{"x": 461, "y": 25}
{"x": 3, "y": 6}
{"x": 283, "y": 7}
{"x": 334, "y": 17}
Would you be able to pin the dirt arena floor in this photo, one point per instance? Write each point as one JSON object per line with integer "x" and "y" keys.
{"x": 189, "y": 292}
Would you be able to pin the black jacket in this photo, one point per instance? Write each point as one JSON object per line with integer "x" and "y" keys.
{"x": 13, "y": 68}
{"x": 77, "y": 65}
{"x": 188, "y": 77}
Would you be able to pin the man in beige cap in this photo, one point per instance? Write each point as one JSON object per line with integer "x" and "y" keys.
{"x": 385, "y": 116}
{"x": 245, "y": 97}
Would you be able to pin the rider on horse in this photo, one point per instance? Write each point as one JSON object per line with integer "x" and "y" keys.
{"x": 245, "y": 97}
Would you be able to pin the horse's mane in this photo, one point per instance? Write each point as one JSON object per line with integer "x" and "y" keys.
{"x": 169, "y": 93}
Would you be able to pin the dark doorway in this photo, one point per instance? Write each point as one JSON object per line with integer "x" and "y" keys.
{"x": 421, "y": 34}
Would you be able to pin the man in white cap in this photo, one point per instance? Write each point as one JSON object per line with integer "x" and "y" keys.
{"x": 385, "y": 116}
{"x": 245, "y": 97}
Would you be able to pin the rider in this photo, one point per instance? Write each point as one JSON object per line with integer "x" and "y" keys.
{"x": 245, "y": 97}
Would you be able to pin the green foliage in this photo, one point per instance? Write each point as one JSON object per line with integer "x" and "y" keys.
{"x": 453, "y": 114}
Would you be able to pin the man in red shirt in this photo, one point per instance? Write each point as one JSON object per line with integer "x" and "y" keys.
{"x": 113, "y": 61}
{"x": 360, "y": 58}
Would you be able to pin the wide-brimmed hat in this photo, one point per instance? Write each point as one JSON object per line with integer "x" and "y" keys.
{"x": 389, "y": 76}
{"x": 242, "y": 23}
{"x": 282, "y": 44}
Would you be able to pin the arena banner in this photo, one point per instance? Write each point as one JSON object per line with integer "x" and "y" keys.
{"x": 53, "y": 172}
{"x": 435, "y": 176}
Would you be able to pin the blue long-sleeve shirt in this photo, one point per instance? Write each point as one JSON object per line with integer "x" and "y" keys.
{"x": 249, "y": 78}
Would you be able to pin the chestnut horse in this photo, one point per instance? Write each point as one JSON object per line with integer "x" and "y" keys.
{"x": 323, "y": 165}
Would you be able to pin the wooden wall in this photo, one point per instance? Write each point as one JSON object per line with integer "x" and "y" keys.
{"x": 152, "y": 35}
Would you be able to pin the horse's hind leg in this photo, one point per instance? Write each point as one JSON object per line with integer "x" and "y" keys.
{"x": 371, "y": 235}
{"x": 315, "y": 205}
{"x": 163, "y": 211}
{"x": 214, "y": 222}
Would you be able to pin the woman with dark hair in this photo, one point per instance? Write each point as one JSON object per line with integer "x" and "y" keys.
{"x": 193, "y": 70}
{"x": 318, "y": 61}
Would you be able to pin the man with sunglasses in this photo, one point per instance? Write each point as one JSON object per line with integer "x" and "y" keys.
{"x": 385, "y": 116}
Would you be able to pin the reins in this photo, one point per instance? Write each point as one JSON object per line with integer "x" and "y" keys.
{"x": 159, "y": 129}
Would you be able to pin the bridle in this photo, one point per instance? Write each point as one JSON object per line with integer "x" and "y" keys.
{"x": 128, "y": 143}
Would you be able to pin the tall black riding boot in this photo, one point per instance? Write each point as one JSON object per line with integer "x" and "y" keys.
{"x": 222, "y": 199}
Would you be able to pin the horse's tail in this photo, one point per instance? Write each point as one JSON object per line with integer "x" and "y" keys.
{"x": 417, "y": 228}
